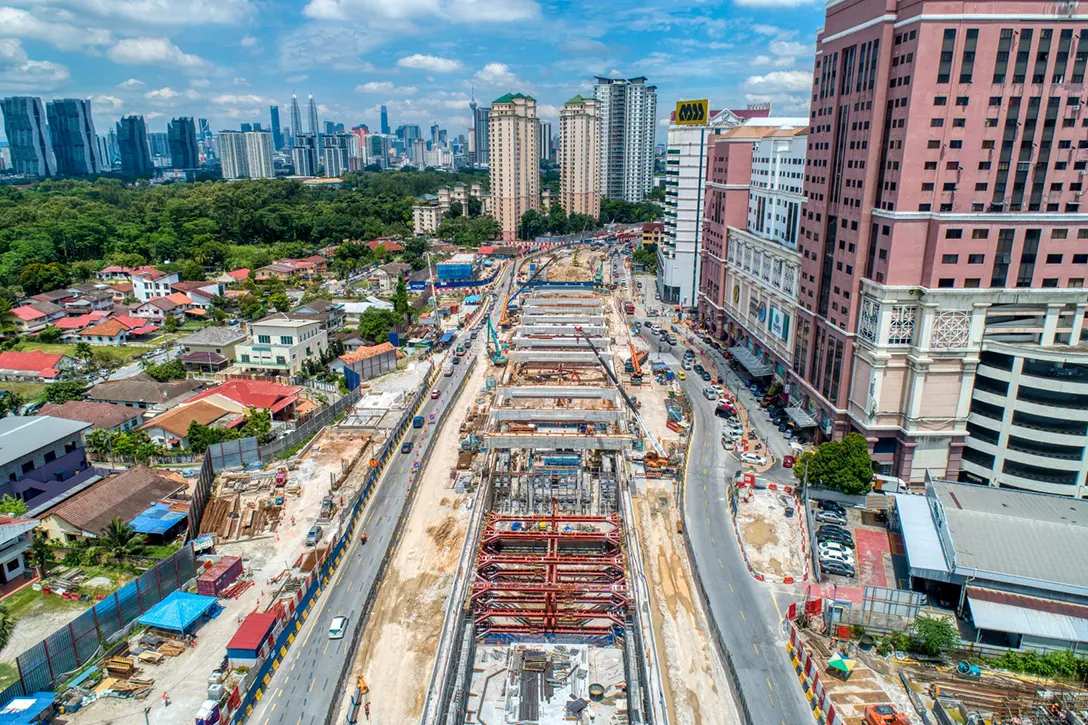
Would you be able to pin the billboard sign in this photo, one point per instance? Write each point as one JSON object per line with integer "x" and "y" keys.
{"x": 692, "y": 113}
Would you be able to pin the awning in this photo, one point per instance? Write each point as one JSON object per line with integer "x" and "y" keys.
{"x": 925, "y": 557}
{"x": 1047, "y": 618}
{"x": 798, "y": 415}
{"x": 446, "y": 338}
{"x": 158, "y": 519}
{"x": 751, "y": 362}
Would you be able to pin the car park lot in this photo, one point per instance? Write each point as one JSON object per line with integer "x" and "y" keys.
{"x": 853, "y": 546}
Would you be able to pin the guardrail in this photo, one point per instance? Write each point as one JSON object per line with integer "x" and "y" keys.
{"x": 327, "y": 565}
{"x": 394, "y": 543}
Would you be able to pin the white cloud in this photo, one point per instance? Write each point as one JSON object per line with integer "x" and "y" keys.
{"x": 155, "y": 51}
{"x": 431, "y": 63}
{"x": 321, "y": 45}
{"x": 143, "y": 13}
{"x": 239, "y": 81}
{"x": 385, "y": 87}
{"x": 296, "y": 78}
{"x": 774, "y": 3}
{"x": 112, "y": 101}
{"x": 790, "y": 48}
{"x": 780, "y": 81}
{"x": 162, "y": 94}
{"x": 16, "y": 23}
{"x": 200, "y": 83}
{"x": 584, "y": 46}
{"x": 497, "y": 74}
{"x": 456, "y": 11}
{"x": 19, "y": 73}
{"x": 248, "y": 41}
{"x": 229, "y": 99}
{"x": 131, "y": 84}
{"x": 764, "y": 60}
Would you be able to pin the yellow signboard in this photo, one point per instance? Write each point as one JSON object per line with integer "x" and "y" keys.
{"x": 692, "y": 113}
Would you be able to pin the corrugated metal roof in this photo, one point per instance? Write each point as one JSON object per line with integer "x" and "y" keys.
{"x": 1004, "y": 612}
{"x": 20, "y": 436}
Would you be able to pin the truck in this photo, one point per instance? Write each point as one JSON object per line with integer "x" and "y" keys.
{"x": 417, "y": 422}
{"x": 447, "y": 369}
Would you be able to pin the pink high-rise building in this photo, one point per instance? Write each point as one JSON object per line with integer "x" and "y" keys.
{"x": 944, "y": 246}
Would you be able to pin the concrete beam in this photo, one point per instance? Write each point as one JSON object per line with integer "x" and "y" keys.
{"x": 558, "y": 442}
{"x": 562, "y": 302}
{"x": 555, "y": 391}
{"x": 563, "y": 415}
{"x": 569, "y": 292}
{"x": 594, "y": 331}
{"x": 573, "y": 342}
{"x": 574, "y": 319}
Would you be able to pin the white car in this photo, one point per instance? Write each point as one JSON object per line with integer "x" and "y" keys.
{"x": 338, "y": 627}
{"x": 709, "y": 394}
{"x": 835, "y": 548}
{"x": 754, "y": 459}
{"x": 837, "y": 557}
{"x": 718, "y": 389}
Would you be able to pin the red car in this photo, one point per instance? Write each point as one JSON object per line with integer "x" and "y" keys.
{"x": 435, "y": 393}
{"x": 787, "y": 461}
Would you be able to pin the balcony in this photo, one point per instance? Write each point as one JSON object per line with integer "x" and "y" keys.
{"x": 1039, "y": 474}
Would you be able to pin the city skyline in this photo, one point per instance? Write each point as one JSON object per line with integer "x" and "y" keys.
{"x": 235, "y": 62}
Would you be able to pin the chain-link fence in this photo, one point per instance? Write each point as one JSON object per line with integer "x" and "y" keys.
{"x": 46, "y": 665}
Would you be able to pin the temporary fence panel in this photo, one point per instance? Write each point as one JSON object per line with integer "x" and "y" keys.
{"x": 44, "y": 666}
{"x": 312, "y": 425}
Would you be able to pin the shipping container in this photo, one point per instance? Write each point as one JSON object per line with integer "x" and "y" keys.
{"x": 219, "y": 576}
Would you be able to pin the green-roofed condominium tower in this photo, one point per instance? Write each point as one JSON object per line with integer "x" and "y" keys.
{"x": 580, "y": 156}
{"x": 514, "y": 140}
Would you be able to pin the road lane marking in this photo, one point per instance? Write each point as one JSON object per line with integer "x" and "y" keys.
{"x": 721, "y": 564}
{"x": 769, "y": 685}
{"x": 312, "y": 681}
{"x": 742, "y": 617}
{"x": 771, "y": 699}
{"x": 755, "y": 647}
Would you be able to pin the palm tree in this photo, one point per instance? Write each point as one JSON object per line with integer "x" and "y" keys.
{"x": 7, "y": 626}
{"x": 119, "y": 539}
{"x": 84, "y": 351}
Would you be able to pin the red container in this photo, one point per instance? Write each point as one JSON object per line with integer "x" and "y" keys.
{"x": 219, "y": 576}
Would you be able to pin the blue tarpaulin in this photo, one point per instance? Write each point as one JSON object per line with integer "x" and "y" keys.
{"x": 446, "y": 338}
{"x": 26, "y": 710}
{"x": 473, "y": 300}
{"x": 158, "y": 519}
{"x": 178, "y": 612}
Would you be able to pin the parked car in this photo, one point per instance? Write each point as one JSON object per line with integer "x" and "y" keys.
{"x": 753, "y": 459}
{"x": 725, "y": 411}
{"x": 407, "y": 447}
{"x": 836, "y": 547}
{"x": 313, "y": 536}
{"x": 338, "y": 627}
{"x": 833, "y": 529}
{"x": 710, "y": 394}
{"x": 842, "y": 539}
{"x": 686, "y": 365}
{"x": 699, "y": 368}
{"x": 837, "y": 568}
{"x": 787, "y": 461}
{"x": 831, "y": 517}
{"x": 705, "y": 376}
{"x": 836, "y": 557}
{"x": 831, "y": 506}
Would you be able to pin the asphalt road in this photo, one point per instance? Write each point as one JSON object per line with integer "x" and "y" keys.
{"x": 301, "y": 692}
{"x": 746, "y": 611}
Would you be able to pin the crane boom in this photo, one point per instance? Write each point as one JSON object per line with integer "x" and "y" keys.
{"x": 623, "y": 393}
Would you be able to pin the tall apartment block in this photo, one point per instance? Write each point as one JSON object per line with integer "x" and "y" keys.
{"x": 579, "y": 156}
{"x": 232, "y": 154}
{"x": 479, "y": 152}
{"x": 304, "y": 155}
{"x": 943, "y": 245}
{"x": 628, "y": 125}
{"x": 28, "y": 136}
{"x": 513, "y": 140}
{"x": 71, "y": 131}
{"x": 133, "y": 146}
{"x": 181, "y": 137}
{"x": 259, "y": 161}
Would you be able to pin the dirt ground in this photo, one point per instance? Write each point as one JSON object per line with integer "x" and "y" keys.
{"x": 695, "y": 681}
{"x": 577, "y": 268}
{"x": 774, "y": 543}
{"x": 396, "y": 653}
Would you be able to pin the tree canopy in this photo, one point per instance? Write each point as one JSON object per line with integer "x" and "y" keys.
{"x": 844, "y": 466}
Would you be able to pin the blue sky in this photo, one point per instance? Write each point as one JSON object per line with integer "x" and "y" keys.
{"x": 228, "y": 60}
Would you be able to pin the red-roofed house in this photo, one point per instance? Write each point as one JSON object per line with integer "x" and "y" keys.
{"x": 72, "y": 325}
{"x": 120, "y": 291}
{"x": 235, "y": 275}
{"x": 321, "y": 265}
{"x": 113, "y": 272}
{"x": 365, "y": 363}
{"x": 159, "y": 308}
{"x": 276, "y": 270}
{"x": 148, "y": 283}
{"x": 108, "y": 332}
{"x": 26, "y": 319}
{"x": 387, "y": 245}
{"x": 240, "y": 395}
{"x": 35, "y": 364}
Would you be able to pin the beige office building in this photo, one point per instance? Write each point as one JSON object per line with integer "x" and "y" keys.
{"x": 514, "y": 137}
{"x": 580, "y": 156}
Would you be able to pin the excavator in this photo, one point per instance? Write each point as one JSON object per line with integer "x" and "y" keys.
{"x": 884, "y": 715}
{"x": 636, "y": 366}
{"x": 494, "y": 347}
{"x": 505, "y": 322}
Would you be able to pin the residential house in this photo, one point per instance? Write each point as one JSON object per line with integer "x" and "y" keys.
{"x": 210, "y": 349}
{"x": 34, "y": 365}
{"x": 366, "y": 363}
{"x": 56, "y": 297}
{"x": 235, "y": 276}
{"x": 387, "y": 245}
{"x": 276, "y": 270}
{"x": 388, "y": 274}
{"x": 321, "y": 264}
{"x": 141, "y": 391}
{"x": 121, "y": 290}
{"x": 171, "y": 429}
{"x": 107, "y": 332}
{"x": 148, "y": 283}
{"x": 70, "y": 327}
{"x": 125, "y": 496}
{"x": 160, "y": 308}
{"x": 100, "y": 416}
{"x": 52, "y": 311}
{"x": 239, "y": 395}
{"x": 331, "y": 315}
{"x": 15, "y": 539}
{"x": 41, "y": 457}
{"x": 201, "y": 294}
{"x": 97, "y": 300}
{"x": 113, "y": 273}
{"x": 279, "y": 346}
{"x": 26, "y": 320}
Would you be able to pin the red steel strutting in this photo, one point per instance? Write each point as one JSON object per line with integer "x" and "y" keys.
{"x": 557, "y": 574}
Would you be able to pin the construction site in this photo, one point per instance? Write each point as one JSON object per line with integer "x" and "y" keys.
{"x": 551, "y": 630}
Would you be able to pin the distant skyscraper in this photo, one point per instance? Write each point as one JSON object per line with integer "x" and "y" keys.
{"x": 336, "y": 153}
{"x": 478, "y": 144}
{"x": 296, "y": 118}
{"x": 259, "y": 155}
{"x": 24, "y": 125}
{"x": 385, "y": 121}
{"x": 419, "y": 152}
{"x": 515, "y": 167}
{"x": 181, "y": 133}
{"x": 246, "y": 127}
{"x": 304, "y": 155}
{"x": 434, "y": 134}
{"x": 628, "y": 126}
{"x": 113, "y": 150}
{"x": 71, "y": 131}
{"x": 203, "y": 131}
{"x": 232, "y": 153}
{"x": 546, "y": 144}
{"x": 159, "y": 144}
{"x": 277, "y": 134}
{"x": 133, "y": 147}
{"x": 579, "y": 156}
{"x": 257, "y": 127}
{"x": 377, "y": 149}
{"x": 315, "y": 126}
